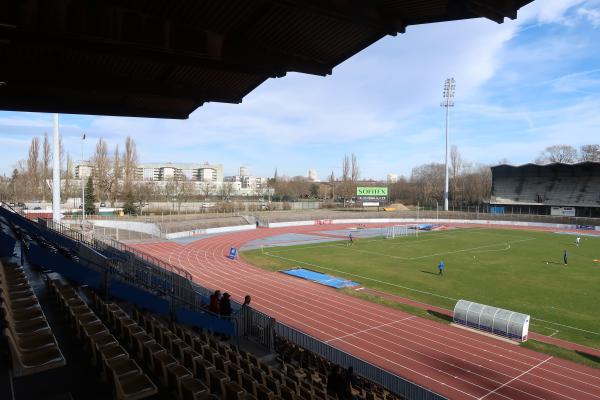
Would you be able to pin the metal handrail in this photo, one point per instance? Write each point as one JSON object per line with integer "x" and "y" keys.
{"x": 386, "y": 379}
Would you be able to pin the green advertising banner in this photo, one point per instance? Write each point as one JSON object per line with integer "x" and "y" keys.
{"x": 371, "y": 191}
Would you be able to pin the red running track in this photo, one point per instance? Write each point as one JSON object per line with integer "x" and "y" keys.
{"x": 453, "y": 362}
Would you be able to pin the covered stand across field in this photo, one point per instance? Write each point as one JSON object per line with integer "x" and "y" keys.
{"x": 496, "y": 320}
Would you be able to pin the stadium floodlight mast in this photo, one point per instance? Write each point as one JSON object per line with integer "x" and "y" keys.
{"x": 449, "y": 88}
{"x": 82, "y": 185}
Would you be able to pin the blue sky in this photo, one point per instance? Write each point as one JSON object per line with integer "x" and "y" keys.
{"x": 521, "y": 86}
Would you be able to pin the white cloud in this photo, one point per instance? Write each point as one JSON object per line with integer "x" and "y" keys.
{"x": 592, "y": 15}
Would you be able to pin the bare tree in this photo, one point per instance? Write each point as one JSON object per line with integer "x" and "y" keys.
{"x": 33, "y": 166}
{"x": 332, "y": 183}
{"x": 428, "y": 181}
{"x": 455, "y": 168}
{"x": 67, "y": 176}
{"x": 560, "y": 153}
{"x": 130, "y": 161}
{"x": 227, "y": 189}
{"x": 101, "y": 165}
{"x": 355, "y": 173}
{"x": 345, "y": 168}
{"x": 589, "y": 152}
{"x": 206, "y": 189}
{"x": 46, "y": 158}
{"x": 116, "y": 175}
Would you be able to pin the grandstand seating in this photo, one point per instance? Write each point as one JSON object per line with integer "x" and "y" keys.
{"x": 107, "y": 353}
{"x": 32, "y": 345}
{"x": 560, "y": 185}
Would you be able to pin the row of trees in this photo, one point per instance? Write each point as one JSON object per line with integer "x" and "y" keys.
{"x": 299, "y": 187}
{"x": 563, "y": 153}
{"x": 469, "y": 183}
{"x": 113, "y": 174}
{"x": 30, "y": 177}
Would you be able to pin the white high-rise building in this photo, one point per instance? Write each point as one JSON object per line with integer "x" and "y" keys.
{"x": 392, "y": 178}
{"x": 312, "y": 175}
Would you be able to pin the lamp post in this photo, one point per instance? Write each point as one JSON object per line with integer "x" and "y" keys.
{"x": 56, "y": 213}
{"x": 449, "y": 89}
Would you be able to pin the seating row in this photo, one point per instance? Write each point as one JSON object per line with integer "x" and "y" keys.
{"x": 32, "y": 344}
{"x": 228, "y": 370}
{"x": 158, "y": 359}
{"x": 113, "y": 361}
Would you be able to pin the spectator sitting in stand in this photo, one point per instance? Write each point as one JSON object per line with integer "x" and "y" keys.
{"x": 225, "y": 305}
{"x": 214, "y": 302}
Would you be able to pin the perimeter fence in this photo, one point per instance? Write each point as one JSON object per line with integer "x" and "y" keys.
{"x": 392, "y": 382}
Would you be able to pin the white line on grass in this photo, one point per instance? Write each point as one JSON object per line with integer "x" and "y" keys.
{"x": 566, "y": 326}
{"x": 466, "y": 250}
{"x": 359, "y": 276}
{"x": 515, "y": 378}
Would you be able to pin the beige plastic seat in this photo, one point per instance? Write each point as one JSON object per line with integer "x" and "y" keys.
{"x": 94, "y": 329}
{"x": 176, "y": 375}
{"x": 189, "y": 355}
{"x": 233, "y": 391}
{"x": 119, "y": 368}
{"x": 202, "y": 370}
{"x": 22, "y": 315}
{"x": 100, "y": 341}
{"x": 287, "y": 393}
{"x": 160, "y": 362}
{"x": 194, "y": 389}
{"x": 235, "y": 374}
{"x": 263, "y": 393}
{"x": 33, "y": 362}
{"x": 257, "y": 374}
{"x": 28, "y": 343}
{"x": 32, "y": 327}
{"x": 222, "y": 364}
{"x": 109, "y": 353}
{"x": 133, "y": 387}
{"x": 139, "y": 342}
{"x": 131, "y": 331}
{"x": 273, "y": 384}
{"x": 305, "y": 393}
{"x": 150, "y": 349}
{"x": 218, "y": 380}
{"x": 249, "y": 384}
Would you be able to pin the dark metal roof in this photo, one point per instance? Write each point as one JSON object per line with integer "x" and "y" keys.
{"x": 165, "y": 58}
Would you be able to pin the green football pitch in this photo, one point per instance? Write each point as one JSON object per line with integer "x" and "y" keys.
{"x": 514, "y": 269}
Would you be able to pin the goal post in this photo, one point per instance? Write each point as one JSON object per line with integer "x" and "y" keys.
{"x": 392, "y": 232}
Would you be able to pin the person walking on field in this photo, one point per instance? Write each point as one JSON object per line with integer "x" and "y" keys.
{"x": 565, "y": 258}
{"x": 577, "y": 241}
{"x": 441, "y": 268}
{"x": 350, "y": 239}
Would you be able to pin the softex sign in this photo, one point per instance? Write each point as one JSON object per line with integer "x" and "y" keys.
{"x": 371, "y": 191}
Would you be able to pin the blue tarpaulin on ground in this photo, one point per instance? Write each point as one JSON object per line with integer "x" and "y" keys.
{"x": 318, "y": 277}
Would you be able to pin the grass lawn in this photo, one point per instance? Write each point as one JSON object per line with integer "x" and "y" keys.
{"x": 514, "y": 269}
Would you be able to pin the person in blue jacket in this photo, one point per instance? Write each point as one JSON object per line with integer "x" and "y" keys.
{"x": 441, "y": 268}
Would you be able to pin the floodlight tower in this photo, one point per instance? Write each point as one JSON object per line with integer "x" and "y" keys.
{"x": 449, "y": 88}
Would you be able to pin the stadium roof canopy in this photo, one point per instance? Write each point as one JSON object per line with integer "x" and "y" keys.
{"x": 159, "y": 58}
